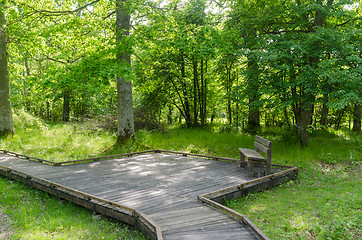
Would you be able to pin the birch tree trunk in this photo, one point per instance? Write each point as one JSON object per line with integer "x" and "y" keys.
{"x": 125, "y": 127}
{"x": 6, "y": 117}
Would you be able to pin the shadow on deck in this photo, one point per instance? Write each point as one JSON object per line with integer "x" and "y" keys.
{"x": 165, "y": 194}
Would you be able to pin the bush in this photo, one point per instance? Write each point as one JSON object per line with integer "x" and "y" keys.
{"x": 24, "y": 120}
{"x": 99, "y": 124}
{"x": 227, "y": 128}
{"x": 144, "y": 119}
{"x": 289, "y": 135}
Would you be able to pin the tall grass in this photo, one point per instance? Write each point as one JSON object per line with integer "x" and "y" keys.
{"x": 55, "y": 142}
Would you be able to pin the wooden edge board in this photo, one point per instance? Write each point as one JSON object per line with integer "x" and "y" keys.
{"x": 68, "y": 189}
{"x": 240, "y": 186}
{"x": 198, "y": 155}
{"x": 77, "y": 161}
{"x": 153, "y": 231}
{"x": 257, "y": 230}
{"x": 107, "y": 157}
{"x": 242, "y": 218}
{"x": 28, "y": 157}
{"x": 128, "y": 155}
{"x": 147, "y": 219}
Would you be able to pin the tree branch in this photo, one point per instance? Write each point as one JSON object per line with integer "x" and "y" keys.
{"x": 58, "y": 13}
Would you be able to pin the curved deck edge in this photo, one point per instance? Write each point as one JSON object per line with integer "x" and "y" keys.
{"x": 217, "y": 199}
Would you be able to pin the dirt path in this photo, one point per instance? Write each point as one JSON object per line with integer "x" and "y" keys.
{"x": 5, "y": 226}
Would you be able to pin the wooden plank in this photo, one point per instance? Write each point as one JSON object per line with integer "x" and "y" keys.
{"x": 211, "y": 235}
{"x": 194, "y": 223}
{"x": 251, "y": 154}
{"x": 264, "y": 141}
{"x": 177, "y": 212}
{"x": 261, "y": 147}
{"x": 172, "y": 206}
{"x": 161, "y": 185}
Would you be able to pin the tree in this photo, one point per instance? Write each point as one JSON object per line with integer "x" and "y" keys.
{"x": 125, "y": 127}
{"x": 248, "y": 18}
{"x": 176, "y": 48}
{"x": 6, "y": 118}
{"x": 357, "y": 118}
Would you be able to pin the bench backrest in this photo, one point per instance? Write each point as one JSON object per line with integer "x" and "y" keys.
{"x": 264, "y": 145}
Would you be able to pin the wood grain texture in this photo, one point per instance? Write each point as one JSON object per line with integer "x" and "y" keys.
{"x": 163, "y": 186}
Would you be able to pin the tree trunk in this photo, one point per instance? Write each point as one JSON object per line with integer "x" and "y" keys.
{"x": 196, "y": 83}
{"x": 6, "y": 116}
{"x": 26, "y": 74}
{"x": 185, "y": 92}
{"x": 203, "y": 94}
{"x": 340, "y": 115}
{"x": 169, "y": 115}
{"x": 324, "y": 113}
{"x": 357, "y": 118}
{"x": 286, "y": 117}
{"x": 228, "y": 93}
{"x": 303, "y": 120}
{"x": 66, "y": 106}
{"x": 125, "y": 127}
{"x": 253, "y": 92}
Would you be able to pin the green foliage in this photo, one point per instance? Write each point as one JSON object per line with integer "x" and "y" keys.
{"x": 197, "y": 60}
{"x": 289, "y": 135}
{"x": 24, "y": 121}
{"x": 59, "y": 142}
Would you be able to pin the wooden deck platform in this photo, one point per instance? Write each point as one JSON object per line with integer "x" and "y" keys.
{"x": 165, "y": 195}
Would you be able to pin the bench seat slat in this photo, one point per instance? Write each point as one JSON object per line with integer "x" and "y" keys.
{"x": 251, "y": 154}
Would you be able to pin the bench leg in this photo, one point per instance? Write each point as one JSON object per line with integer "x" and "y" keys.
{"x": 267, "y": 167}
{"x": 242, "y": 160}
{"x": 250, "y": 168}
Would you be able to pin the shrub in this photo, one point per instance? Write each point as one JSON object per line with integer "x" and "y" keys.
{"x": 289, "y": 135}
{"x": 227, "y": 128}
{"x": 144, "y": 119}
{"x": 24, "y": 120}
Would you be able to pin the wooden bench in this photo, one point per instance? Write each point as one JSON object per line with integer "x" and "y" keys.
{"x": 253, "y": 156}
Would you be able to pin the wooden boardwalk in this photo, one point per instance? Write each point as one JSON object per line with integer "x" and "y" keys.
{"x": 163, "y": 187}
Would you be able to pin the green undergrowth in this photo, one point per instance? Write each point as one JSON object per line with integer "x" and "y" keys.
{"x": 38, "y": 215}
{"x": 323, "y": 203}
{"x": 72, "y": 141}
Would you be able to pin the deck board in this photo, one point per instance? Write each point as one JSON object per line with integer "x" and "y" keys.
{"x": 163, "y": 186}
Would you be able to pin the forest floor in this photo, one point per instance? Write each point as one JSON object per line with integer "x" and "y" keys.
{"x": 323, "y": 203}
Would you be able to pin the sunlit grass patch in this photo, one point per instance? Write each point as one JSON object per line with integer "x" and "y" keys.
{"x": 323, "y": 203}
{"x": 62, "y": 142}
{"x": 200, "y": 141}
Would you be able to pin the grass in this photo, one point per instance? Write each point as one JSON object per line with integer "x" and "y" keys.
{"x": 323, "y": 203}
{"x": 37, "y": 215}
